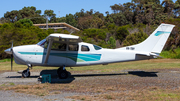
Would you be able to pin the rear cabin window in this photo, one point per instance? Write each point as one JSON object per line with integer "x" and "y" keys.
{"x": 73, "y": 47}
{"x": 84, "y": 48}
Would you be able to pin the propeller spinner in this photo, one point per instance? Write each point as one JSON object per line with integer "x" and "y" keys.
{"x": 10, "y": 51}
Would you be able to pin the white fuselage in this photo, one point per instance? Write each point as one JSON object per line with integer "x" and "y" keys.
{"x": 35, "y": 55}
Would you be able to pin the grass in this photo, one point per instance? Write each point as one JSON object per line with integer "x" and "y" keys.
{"x": 145, "y": 65}
{"x": 7, "y": 84}
{"x": 149, "y": 94}
{"x": 5, "y": 60}
{"x": 173, "y": 54}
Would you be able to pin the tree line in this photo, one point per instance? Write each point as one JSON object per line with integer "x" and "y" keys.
{"x": 148, "y": 12}
{"x": 130, "y": 23}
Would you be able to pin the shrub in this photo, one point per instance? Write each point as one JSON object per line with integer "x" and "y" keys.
{"x": 112, "y": 42}
{"x": 122, "y": 32}
{"x": 135, "y": 38}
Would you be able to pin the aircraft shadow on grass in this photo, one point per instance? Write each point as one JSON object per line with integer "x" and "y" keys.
{"x": 55, "y": 78}
{"x": 21, "y": 76}
{"x": 143, "y": 73}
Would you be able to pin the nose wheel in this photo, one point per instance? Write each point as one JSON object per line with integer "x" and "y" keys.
{"x": 62, "y": 73}
{"x": 26, "y": 73}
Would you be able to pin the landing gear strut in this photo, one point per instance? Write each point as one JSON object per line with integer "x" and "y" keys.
{"x": 62, "y": 73}
{"x": 26, "y": 73}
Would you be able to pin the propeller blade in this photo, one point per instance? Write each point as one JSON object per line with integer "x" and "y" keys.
{"x": 11, "y": 61}
{"x": 12, "y": 45}
{"x": 12, "y": 56}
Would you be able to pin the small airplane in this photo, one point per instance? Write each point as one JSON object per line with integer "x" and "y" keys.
{"x": 63, "y": 50}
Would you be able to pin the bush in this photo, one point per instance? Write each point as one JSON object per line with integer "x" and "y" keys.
{"x": 122, "y": 32}
{"x": 112, "y": 43}
{"x": 173, "y": 54}
{"x": 135, "y": 38}
{"x": 26, "y": 22}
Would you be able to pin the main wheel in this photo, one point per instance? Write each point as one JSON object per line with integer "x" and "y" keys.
{"x": 60, "y": 69}
{"x": 63, "y": 74}
{"x": 26, "y": 74}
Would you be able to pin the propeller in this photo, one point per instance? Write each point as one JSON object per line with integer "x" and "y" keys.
{"x": 12, "y": 56}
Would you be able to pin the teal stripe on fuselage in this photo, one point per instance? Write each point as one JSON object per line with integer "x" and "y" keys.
{"x": 73, "y": 56}
{"x": 32, "y": 53}
{"x": 89, "y": 57}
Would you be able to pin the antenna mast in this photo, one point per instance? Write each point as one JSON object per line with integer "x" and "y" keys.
{"x": 59, "y": 14}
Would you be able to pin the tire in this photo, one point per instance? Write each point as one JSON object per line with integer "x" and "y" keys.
{"x": 60, "y": 69}
{"x": 25, "y": 74}
{"x": 63, "y": 74}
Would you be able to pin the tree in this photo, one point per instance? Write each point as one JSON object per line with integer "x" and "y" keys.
{"x": 4, "y": 20}
{"x": 70, "y": 20}
{"x": 168, "y": 7}
{"x": 26, "y": 12}
{"x": 26, "y": 22}
{"x": 177, "y": 8}
{"x": 12, "y": 16}
{"x": 62, "y": 19}
{"x": 119, "y": 19}
{"x": 89, "y": 22}
{"x": 122, "y": 32}
{"x": 129, "y": 12}
{"x": 38, "y": 12}
{"x": 117, "y": 8}
{"x": 49, "y": 13}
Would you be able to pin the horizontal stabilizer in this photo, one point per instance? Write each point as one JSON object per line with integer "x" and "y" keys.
{"x": 149, "y": 54}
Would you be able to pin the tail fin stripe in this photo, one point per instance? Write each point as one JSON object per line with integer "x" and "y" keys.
{"x": 161, "y": 32}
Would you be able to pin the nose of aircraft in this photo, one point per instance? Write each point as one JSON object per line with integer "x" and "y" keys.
{"x": 8, "y": 51}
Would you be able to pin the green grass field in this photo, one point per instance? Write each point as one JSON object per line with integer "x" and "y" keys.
{"x": 134, "y": 65}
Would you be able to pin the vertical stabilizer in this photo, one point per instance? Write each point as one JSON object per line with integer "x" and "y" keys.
{"x": 155, "y": 42}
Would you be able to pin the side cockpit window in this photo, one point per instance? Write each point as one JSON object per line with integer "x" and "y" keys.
{"x": 58, "y": 46}
{"x": 62, "y": 47}
{"x": 84, "y": 48}
{"x": 45, "y": 44}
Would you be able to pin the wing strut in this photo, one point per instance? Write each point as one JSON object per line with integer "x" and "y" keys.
{"x": 48, "y": 50}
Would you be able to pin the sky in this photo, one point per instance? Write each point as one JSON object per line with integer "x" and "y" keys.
{"x": 60, "y": 7}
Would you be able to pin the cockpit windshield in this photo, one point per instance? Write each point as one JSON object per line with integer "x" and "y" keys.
{"x": 97, "y": 47}
{"x": 42, "y": 42}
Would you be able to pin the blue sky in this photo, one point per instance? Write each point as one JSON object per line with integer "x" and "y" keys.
{"x": 64, "y": 6}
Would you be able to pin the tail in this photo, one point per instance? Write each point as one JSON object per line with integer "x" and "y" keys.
{"x": 155, "y": 42}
